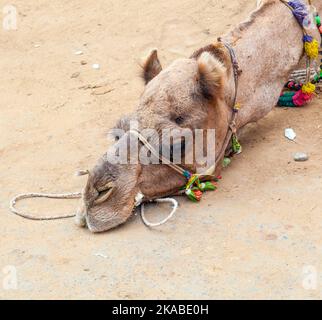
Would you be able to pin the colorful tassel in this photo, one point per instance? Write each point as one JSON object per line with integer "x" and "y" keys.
{"x": 318, "y": 20}
{"x": 207, "y": 186}
{"x": 187, "y": 175}
{"x": 301, "y": 94}
{"x": 226, "y": 162}
{"x": 320, "y": 29}
{"x": 194, "y": 189}
{"x": 236, "y": 146}
{"x": 300, "y": 11}
{"x": 308, "y": 88}
{"x": 194, "y": 196}
{"x": 311, "y": 47}
{"x": 300, "y": 98}
{"x": 293, "y": 85}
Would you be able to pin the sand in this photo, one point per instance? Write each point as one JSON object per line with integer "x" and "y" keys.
{"x": 258, "y": 236}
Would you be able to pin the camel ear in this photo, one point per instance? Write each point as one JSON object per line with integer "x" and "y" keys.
{"x": 211, "y": 76}
{"x": 151, "y": 66}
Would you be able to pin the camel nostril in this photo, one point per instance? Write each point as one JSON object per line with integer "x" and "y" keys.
{"x": 103, "y": 196}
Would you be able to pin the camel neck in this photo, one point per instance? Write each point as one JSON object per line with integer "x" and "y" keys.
{"x": 268, "y": 47}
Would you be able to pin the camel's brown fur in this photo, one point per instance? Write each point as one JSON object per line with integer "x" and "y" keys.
{"x": 198, "y": 93}
{"x": 151, "y": 66}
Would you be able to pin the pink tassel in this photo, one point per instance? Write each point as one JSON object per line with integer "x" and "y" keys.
{"x": 300, "y": 98}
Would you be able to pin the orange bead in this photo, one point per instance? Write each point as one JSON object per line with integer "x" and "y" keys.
{"x": 320, "y": 29}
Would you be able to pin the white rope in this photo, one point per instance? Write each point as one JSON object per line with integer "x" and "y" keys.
{"x": 157, "y": 224}
{"x": 78, "y": 195}
{"x": 13, "y": 202}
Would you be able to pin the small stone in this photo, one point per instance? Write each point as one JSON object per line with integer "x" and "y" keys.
{"x": 271, "y": 236}
{"x": 290, "y": 134}
{"x": 75, "y": 75}
{"x": 78, "y": 53}
{"x": 101, "y": 255}
{"x": 83, "y": 62}
{"x": 96, "y": 66}
{"x": 301, "y": 157}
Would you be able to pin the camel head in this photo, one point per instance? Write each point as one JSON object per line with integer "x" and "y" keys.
{"x": 184, "y": 96}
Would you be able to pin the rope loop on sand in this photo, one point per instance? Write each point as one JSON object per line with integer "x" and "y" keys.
{"x": 157, "y": 224}
{"x": 12, "y": 207}
{"x": 78, "y": 195}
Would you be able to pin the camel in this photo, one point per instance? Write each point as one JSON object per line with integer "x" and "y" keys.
{"x": 197, "y": 92}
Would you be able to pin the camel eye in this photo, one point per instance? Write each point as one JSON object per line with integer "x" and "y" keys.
{"x": 179, "y": 120}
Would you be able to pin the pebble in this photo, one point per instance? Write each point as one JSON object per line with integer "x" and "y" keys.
{"x": 271, "y": 236}
{"x": 96, "y": 66}
{"x": 75, "y": 75}
{"x": 301, "y": 156}
{"x": 101, "y": 255}
{"x": 78, "y": 53}
{"x": 83, "y": 62}
{"x": 290, "y": 134}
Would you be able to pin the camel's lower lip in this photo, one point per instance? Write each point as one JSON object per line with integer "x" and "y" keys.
{"x": 90, "y": 226}
{"x": 101, "y": 223}
{"x": 100, "y": 218}
{"x": 91, "y": 216}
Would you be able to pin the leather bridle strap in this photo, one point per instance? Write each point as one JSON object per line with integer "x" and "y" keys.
{"x": 235, "y": 65}
{"x": 232, "y": 129}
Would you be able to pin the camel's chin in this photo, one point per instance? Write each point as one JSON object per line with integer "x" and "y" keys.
{"x": 101, "y": 218}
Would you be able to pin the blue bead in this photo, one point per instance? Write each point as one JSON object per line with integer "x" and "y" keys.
{"x": 307, "y": 38}
{"x": 187, "y": 174}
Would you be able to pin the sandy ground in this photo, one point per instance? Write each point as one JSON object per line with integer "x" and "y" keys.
{"x": 254, "y": 238}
